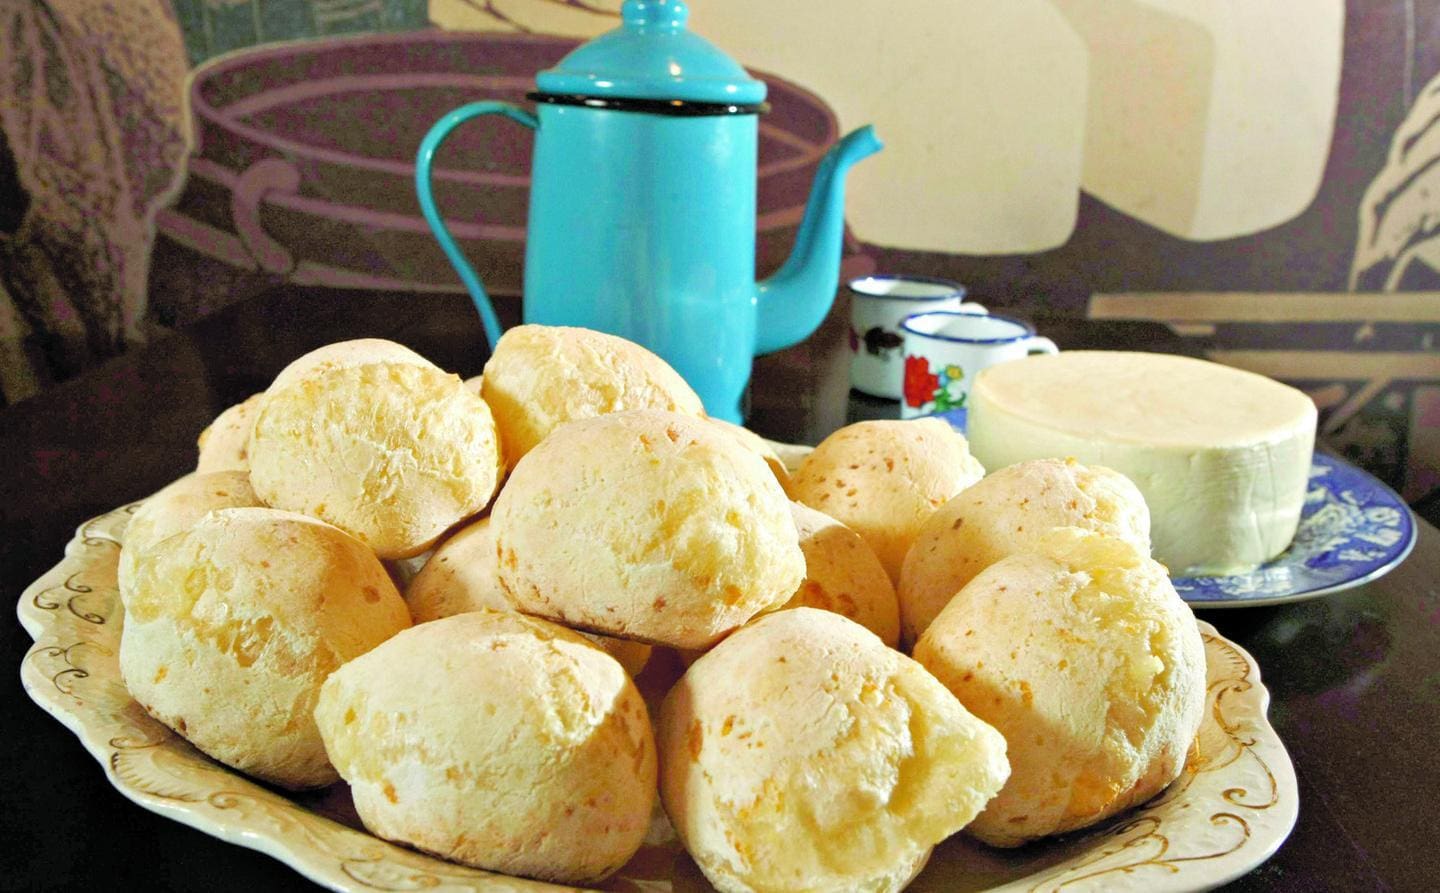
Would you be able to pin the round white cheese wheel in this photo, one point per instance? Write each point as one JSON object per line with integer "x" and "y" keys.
{"x": 1222, "y": 456}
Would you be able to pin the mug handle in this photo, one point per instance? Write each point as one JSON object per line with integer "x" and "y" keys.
{"x": 423, "y": 160}
{"x": 1040, "y": 344}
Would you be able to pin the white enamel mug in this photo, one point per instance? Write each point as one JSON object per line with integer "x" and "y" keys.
{"x": 945, "y": 351}
{"x": 878, "y": 304}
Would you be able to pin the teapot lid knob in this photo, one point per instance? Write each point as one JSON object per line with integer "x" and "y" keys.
{"x": 668, "y": 14}
{"x": 654, "y": 56}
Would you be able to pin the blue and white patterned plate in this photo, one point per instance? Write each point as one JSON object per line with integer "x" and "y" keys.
{"x": 1353, "y": 529}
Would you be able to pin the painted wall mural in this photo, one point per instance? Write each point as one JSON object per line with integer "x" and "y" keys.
{"x": 1259, "y": 177}
{"x": 1204, "y": 120}
{"x": 91, "y": 143}
{"x": 213, "y": 27}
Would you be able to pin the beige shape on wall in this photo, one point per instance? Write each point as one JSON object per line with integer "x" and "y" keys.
{"x": 981, "y": 105}
{"x": 1209, "y": 120}
{"x": 587, "y": 18}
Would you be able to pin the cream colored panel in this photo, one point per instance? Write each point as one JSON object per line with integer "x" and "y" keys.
{"x": 543, "y": 16}
{"x": 1209, "y": 120}
{"x": 981, "y": 105}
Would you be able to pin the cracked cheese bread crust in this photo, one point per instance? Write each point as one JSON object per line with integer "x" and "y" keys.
{"x": 347, "y": 355}
{"x": 1091, "y": 666}
{"x": 232, "y": 626}
{"x": 463, "y": 575}
{"x": 802, "y": 754}
{"x": 498, "y": 740}
{"x": 646, "y": 525}
{"x": 1008, "y": 512}
{"x": 394, "y": 453}
{"x": 884, "y": 479}
{"x": 176, "y": 509}
{"x": 541, "y": 377}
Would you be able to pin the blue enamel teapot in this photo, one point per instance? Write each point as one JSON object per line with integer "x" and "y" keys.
{"x": 642, "y": 205}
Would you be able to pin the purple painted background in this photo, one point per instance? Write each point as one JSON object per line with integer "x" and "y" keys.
{"x": 298, "y": 171}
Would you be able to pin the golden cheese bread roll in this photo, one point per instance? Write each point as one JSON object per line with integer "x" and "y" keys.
{"x": 392, "y": 452}
{"x": 647, "y": 525}
{"x": 1087, "y": 661}
{"x": 176, "y": 509}
{"x": 1008, "y": 512}
{"x": 232, "y": 626}
{"x": 464, "y": 575}
{"x": 347, "y": 355}
{"x": 885, "y": 479}
{"x": 497, "y": 740}
{"x": 843, "y": 575}
{"x": 803, "y": 754}
{"x": 225, "y": 442}
{"x": 541, "y": 377}
{"x": 759, "y": 446}
{"x": 461, "y": 575}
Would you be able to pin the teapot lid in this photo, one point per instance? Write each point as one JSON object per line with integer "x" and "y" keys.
{"x": 653, "y": 56}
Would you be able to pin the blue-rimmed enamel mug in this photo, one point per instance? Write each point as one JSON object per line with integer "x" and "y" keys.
{"x": 944, "y": 351}
{"x": 878, "y": 304}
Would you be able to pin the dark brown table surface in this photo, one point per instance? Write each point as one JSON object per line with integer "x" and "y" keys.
{"x": 1355, "y": 677}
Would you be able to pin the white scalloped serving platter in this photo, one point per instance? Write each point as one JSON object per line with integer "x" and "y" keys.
{"x": 1234, "y": 804}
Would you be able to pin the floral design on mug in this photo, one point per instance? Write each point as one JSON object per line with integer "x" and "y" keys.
{"x": 923, "y": 386}
{"x": 920, "y": 384}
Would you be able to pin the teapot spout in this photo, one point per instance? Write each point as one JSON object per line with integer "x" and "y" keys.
{"x": 794, "y": 301}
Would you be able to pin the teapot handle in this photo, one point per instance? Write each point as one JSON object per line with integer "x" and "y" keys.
{"x": 423, "y": 160}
